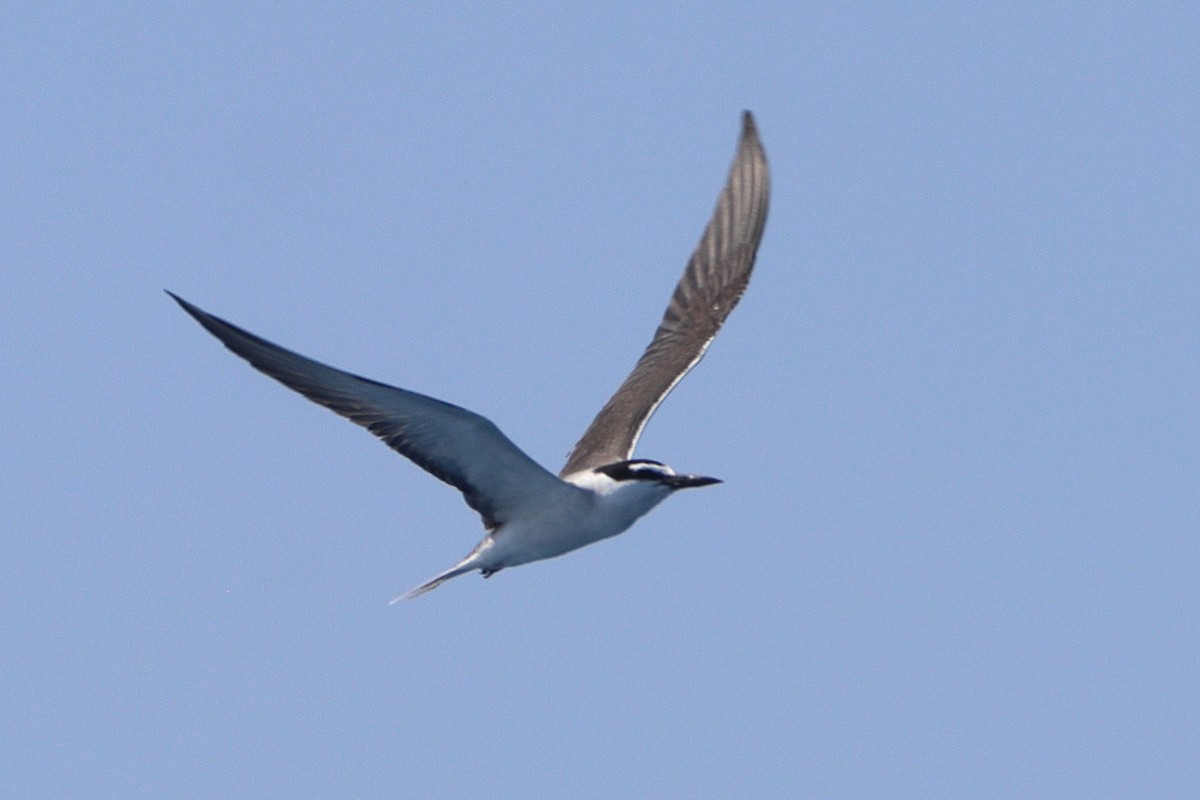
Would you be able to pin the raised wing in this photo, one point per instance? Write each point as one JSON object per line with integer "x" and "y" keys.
{"x": 455, "y": 445}
{"x": 713, "y": 282}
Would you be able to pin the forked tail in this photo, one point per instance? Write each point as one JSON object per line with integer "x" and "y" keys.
{"x": 431, "y": 584}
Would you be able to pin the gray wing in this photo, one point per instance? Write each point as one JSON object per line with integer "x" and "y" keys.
{"x": 458, "y": 446}
{"x": 713, "y": 282}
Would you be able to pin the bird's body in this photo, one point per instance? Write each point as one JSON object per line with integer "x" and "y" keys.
{"x": 590, "y": 507}
{"x": 529, "y": 513}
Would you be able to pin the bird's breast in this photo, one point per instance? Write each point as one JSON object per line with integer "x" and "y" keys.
{"x": 588, "y": 518}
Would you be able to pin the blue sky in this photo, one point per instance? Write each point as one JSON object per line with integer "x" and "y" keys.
{"x": 956, "y": 551}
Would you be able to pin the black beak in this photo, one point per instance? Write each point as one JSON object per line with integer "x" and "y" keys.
{"x": 690, "y": 481}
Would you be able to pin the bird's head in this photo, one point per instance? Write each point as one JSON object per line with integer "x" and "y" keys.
{"x": 652, "y": 472}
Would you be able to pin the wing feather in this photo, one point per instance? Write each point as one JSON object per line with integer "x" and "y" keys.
{"x": 453, "y": 444}
{"x": 715, "y": 278}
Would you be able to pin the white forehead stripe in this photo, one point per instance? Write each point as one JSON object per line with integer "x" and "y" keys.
{"x": 650, "y": 466}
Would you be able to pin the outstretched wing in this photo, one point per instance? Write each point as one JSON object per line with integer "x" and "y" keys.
{"x": 713, "y": 282}
{"x": 458, "y": 446}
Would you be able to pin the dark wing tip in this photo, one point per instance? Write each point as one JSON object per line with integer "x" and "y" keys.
{"x": 749, "y": 133}
{"x": 749, "y": 129}
{"x": 227, "y": 332}
{"x": 749, "y": 142}
{"x": 197, "y": 314}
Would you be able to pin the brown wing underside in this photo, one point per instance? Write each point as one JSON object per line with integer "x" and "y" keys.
{"x": 715, "y": 278}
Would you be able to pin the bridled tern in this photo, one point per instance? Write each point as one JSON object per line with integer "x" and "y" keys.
{"x": 529, "y": 513}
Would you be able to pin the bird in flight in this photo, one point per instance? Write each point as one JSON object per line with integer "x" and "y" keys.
{"x": 528, "y": 512}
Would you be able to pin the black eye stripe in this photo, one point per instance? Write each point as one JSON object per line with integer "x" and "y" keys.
{"x": 628, "y": 470}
